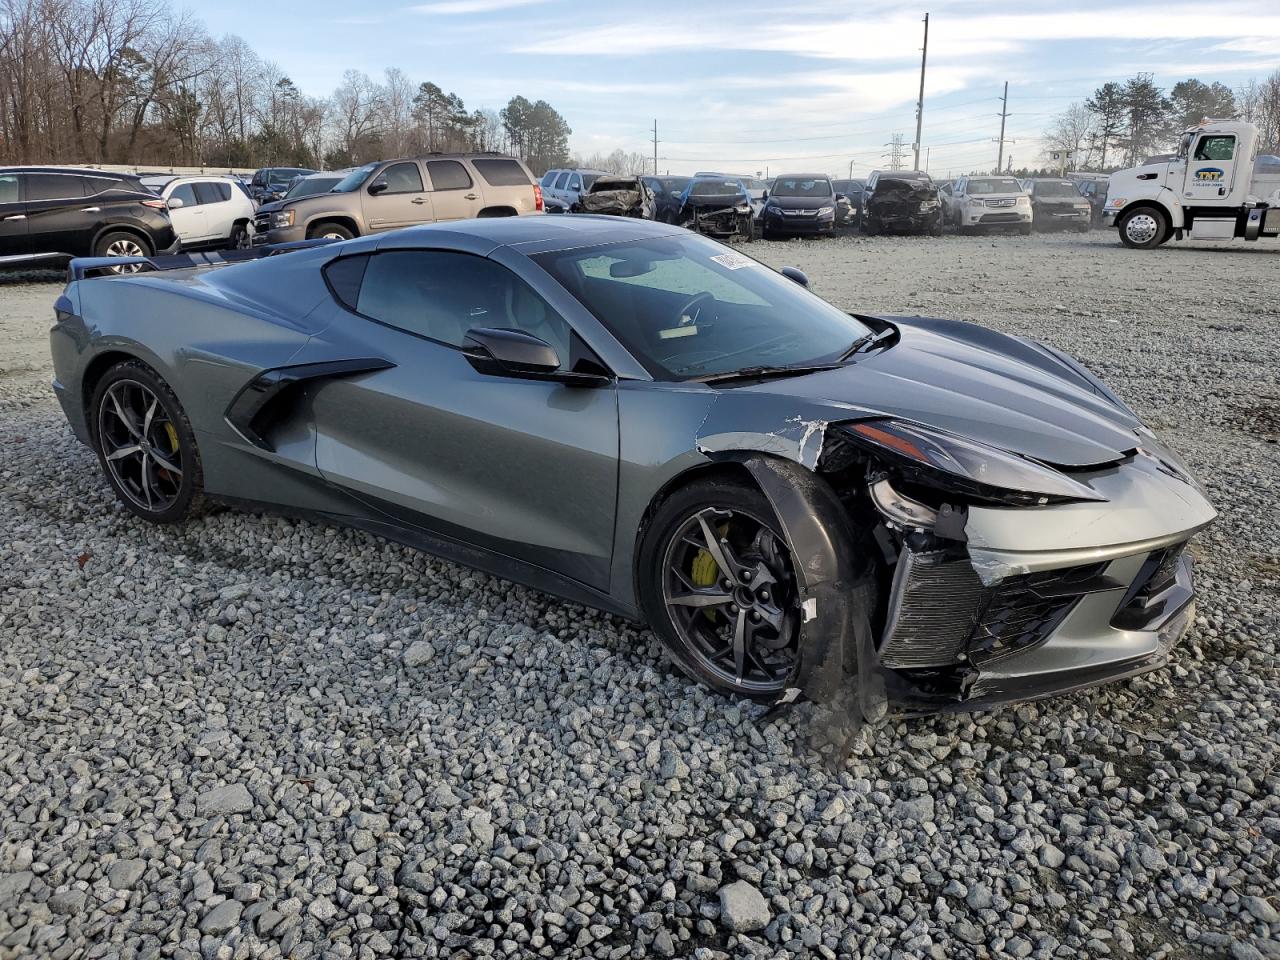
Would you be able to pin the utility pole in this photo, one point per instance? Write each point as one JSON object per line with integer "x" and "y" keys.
{"x": 927, "y": 151}
{"x": 655, "y": 146}
{"x": 1004, "y": 112}
{"x": 924, "y": 57}
{"x": 896, "y": 147}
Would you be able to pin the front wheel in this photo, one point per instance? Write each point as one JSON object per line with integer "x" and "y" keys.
{"x": 1143, "y": 228}
{"x": 329, "y": 231}
{"x": 145, "y": 444}
{"x": 718, "y": 586}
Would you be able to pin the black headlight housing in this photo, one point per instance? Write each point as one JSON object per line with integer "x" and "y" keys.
{"x": 961, "y": 468}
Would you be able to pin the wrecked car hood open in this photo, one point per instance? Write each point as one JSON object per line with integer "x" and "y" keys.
{"x": 959, "y": 377}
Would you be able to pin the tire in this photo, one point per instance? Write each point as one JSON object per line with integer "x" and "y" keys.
{"x": 1143, "y": 228}
{"x": 120, "y": 243}
{"x": 240, "y": 239}
{"x": 671, "y": 565}
{"x": 333, "y": 231}
{"x": 163, "y": 444}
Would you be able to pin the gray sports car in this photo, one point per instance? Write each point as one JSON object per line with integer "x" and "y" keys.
{"x": 927, "y": 513}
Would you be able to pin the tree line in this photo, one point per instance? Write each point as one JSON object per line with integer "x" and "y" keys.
{"x": 1122, "y": 124}
{"x": 135, "y": 81}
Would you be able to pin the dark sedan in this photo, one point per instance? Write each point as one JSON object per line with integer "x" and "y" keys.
{"x": 1058, "y": 205}
{"x": 799, "y": 204}
{"x": 624, "y": 413}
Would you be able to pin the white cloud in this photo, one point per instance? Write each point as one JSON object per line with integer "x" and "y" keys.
{"x": 454, "y": 7}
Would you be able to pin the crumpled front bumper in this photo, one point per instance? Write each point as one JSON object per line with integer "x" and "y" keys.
{"x": 1042, "y": 601}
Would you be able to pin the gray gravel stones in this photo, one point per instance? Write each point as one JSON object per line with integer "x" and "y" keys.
{"x": 232, "y": 704}
{"x": 743, "y": 908}
{"x": 224, "y": 800}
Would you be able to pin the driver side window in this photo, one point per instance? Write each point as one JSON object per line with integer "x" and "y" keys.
{"x": 1216, "y": 148}
{"x": 440, "y": 294}
{"x": 400, "y": 178}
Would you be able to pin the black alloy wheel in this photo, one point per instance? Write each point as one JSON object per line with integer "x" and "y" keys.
{"x": 727, "y": 599}
{"x": 145, "y": 444}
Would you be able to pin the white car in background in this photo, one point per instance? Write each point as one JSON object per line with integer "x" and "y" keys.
{"x": 207, "y": 211}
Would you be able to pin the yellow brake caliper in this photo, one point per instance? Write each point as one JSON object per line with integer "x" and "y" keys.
{"x": 703, "y": 571}
{"x": 172, "y": 434}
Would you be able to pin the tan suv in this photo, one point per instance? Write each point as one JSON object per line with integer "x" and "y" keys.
{"x": 391, "y": 194}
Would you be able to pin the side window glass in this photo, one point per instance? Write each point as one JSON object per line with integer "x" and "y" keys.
{"x": 563, "y": 181}
{"x": 400, "y": 178}
{"x": 548, "y": 179}
{"x": 210, "y": 192}
{"x": 344, "y": 277}
{"x": 53, "y": 186}
{"x": 448, "y": 175}
{"x": 8, "y": 188}
{"x": 440, "y": 295}
{"x": 1216, "y": 148}
{"x": 575, "y": 183}
{"x": 186, "y": 193}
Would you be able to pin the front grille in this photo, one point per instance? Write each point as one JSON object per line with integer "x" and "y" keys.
{"x": 262, "y": 223}
{"x": 1000, "y": 218}
{"x": 941, "y": 612}
{"x": 1002, "y": 202}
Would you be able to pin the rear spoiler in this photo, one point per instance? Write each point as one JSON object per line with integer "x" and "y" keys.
{"x": 81, "y": 268}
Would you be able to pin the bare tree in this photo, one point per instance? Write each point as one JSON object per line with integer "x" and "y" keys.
{"x": 1073, "y": 131}
{"x": 357, "y": 105}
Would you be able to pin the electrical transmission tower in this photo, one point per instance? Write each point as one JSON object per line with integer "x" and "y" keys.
{"x": 897, "y": 147}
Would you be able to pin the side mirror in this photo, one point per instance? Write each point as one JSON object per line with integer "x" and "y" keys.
{"x": 377, "y": 188}
{"x": 174, "y": 203}
{"x": 840, "y": 196}
{"x": 764, "y": 194}
{"x": 796, "y": 276}
{"x": 509, "y": 352}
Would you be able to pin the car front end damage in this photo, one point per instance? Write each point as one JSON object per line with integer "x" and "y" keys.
{"x": 719, "y": 217}
{"x": 938, "y": 574}
{"x": 905, "y": 206}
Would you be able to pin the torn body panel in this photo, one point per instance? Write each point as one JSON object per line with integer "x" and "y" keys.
{"x": 619, "y": 197}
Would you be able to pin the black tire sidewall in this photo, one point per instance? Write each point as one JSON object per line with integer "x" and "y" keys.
{"x": 191, "y": 487}
{"x": 322, "y": 229}
{"x": 669, "y": 516}
{"x": 105, "y": 241}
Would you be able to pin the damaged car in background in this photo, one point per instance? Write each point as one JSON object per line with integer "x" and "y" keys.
{"x": 922, "y": 514}
{"x": 901, "y": 201}
{"x": 718, "y": 206}
{"x": 619, "y": 197}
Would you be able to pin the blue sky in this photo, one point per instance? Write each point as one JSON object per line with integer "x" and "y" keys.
{"x": 753, "y": 86}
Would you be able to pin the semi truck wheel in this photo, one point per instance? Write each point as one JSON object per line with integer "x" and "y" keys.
{"x": 1143, "y": 228}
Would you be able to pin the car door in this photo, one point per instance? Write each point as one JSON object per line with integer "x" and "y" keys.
{"x": 396, "y": 198}
{"x": 188, "y": 219}
{"x": 527, "y": 468}
{"x": 453, "y": 194}
{"x": 60, "y": 219}
{"x": 573, "y": 192}
{"x": 219, "y": 211}
{"x": 1211, "y": 173}
{"x": 13, "y": 218}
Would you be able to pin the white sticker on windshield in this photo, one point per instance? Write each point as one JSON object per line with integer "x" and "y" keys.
{"x": 732, "y": 261}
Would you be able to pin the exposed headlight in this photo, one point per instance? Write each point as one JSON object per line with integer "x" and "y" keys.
{"x": 965, "y": 468}
{"x": 282, "y": 218}
{"x": 826, "y": 211}
{"x": 976, "y": 202}
{"x": 1024, "y": 201}
{"x": 927, "y": 205}
{"x": 742, "y": 208}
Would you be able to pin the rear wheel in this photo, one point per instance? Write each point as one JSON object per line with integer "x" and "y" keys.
{"x": 1143, "y": 228}
{"x": 145, "y": 444}
{"x": 122, "y": 244}
{"x": 718, "y": 586}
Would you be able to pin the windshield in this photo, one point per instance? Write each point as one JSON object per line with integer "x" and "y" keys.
{"x": 1056, "y": 188}
{"x": 675, "y": 184}
{"x": 801, "y": 187}
{"x": 280, "y": 177}
{"x": 715, "y": 188}
{"x": 687, "y": 307}
{"x": 310, "y": 186}
{"x": 847, "y": 186}
{"x": 353, "y": 179}
{"x": 754, "y": 183}
{"x": 985, "y": 185}
{"x": 588, "y": 179}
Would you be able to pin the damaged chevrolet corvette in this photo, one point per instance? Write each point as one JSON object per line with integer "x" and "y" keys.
{"x": 926, "y": 514}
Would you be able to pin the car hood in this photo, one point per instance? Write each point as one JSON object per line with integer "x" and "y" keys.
{"x": 969, "y": 380}
{"x": 897, "y": 191}
{"x": 801, "y": 203}
{"x": 716, "y": 200}
{"x": 271, "y": 207}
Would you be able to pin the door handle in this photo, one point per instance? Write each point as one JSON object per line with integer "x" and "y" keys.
{"x": 17, "y": 216}
{"x": 91, "y": 210}
{"x": 469, "y": 196}
{"x": 418, "y": 200}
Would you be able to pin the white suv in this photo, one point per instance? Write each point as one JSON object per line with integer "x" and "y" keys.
{"x": 207, "y": 211}
{"x": 979, "y": 202}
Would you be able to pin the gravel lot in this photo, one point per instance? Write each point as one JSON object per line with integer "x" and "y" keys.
{"x": 251, "y": 737}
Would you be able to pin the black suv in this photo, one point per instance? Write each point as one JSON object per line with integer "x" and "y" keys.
{"x": 50, "y": 212}
{"x": 272, "y": 183}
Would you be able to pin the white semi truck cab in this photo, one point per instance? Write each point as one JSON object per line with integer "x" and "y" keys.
{"x": 1216, "y": 188}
